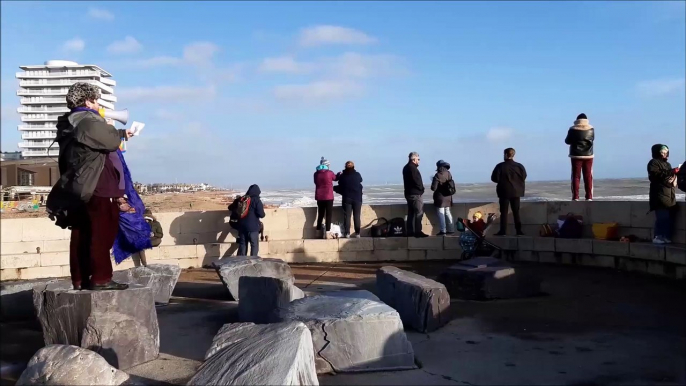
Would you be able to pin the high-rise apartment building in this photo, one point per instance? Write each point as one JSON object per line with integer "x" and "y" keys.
{"x": 42, "y": 92}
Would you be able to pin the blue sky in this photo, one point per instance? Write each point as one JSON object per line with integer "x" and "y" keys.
{"x": 238, "y": 93}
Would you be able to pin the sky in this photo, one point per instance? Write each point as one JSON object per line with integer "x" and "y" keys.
{"x": 238, "y": 93}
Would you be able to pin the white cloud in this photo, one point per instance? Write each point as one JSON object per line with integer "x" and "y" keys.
{"x": 74, "y": 45}
{"x": 100, "y": 14}
{"x": 127, "y": 46}
{"x": 329, "y": 34}
{"x": 158, "y": 61}
{"x": 499, "y": 134}
{"x": 357, "y": 65}
{"x": 318, "y": 91}
{"x": 166, "y": 93}
{"x": 286, "y": 64}
{"x": 200, "y": 53}
{"x": 659, "y": 87}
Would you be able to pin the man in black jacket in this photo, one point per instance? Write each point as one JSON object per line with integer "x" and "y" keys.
{"x": 662, "y": 196}
{"x": 510, "y": 177}
{"x": 414, "y": 189}
{"x": 91, "y": 180}
{"x": 350, "y": 188}
{"x": 580, "y": 139}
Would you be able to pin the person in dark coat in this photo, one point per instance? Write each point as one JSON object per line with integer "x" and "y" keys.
{"x": 350, "y": 188}
{"x": 84, "y": 198}
{"x": 510, "y": 178}
{"x": 414, "y": 189}
{"x": 662, "y": 196}
{"x": 323, "y": 182}
{"x": 443, "y": 200}
{"x": 249, "y": 226}
{"x": 580, "y": 139}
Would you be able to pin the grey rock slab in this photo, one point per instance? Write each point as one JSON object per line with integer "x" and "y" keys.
{"x": 119, "y": 325}
{"x": 261, "y": 296}
{"x": 485, "y": 278}
{"x": 231, "y": 269}
{"x": 161, "y": 278}
{"x": 423, "y": 304}
{"x": 352, "y": 334}
{"x": 70, "y": 365}
{"x": 357, "y": 294}
{"x": 266, "y": 354}
{"x": 15, "y": 298}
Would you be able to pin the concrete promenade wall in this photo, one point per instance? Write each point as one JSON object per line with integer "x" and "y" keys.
{"x": 36, "y": 248}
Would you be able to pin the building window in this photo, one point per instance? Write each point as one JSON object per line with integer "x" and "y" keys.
{"x": 25, "y": 178}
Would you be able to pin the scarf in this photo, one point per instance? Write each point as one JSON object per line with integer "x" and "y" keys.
{"x": 581, "y": 124}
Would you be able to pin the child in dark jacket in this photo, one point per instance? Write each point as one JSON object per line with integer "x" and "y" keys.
{"x": 249, "y": 226}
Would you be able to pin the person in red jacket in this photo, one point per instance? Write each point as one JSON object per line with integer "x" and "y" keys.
{"x": 323, "y": 181}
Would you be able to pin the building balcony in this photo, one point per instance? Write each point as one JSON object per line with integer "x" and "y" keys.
{"x": 109, "y": 97}
{"x": 40, "y": 153}
{"x": 40, "y": 118}
{"x": 63, "y": 82}
{"x": 42, "y": 100}
{"x": 53, "y": 91}
{"x": 34, "y": 126}
{"x": 57, "y": 74}
{"x": 35, "y": 144}
{"x": 34, "y": 109}
{"x": 42, "y": 135}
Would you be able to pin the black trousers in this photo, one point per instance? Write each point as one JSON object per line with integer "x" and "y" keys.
{"x": 324, "y": 210}
{"x": 415, "y": 212}
{"x": 505, "y": 204}
{"x": 355, "y": 208}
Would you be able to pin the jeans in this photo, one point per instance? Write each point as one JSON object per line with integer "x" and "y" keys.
{"x": 584, "y": 166}
{"x": 324, "y": 209}
{"x": 505, "y": 203}
{"x": 664, "y": 221}
{"x": 415, "y": 212}
{"x": 444, "y": 215}
{"x": 248, "y": 237}
{"x": 355, "y": 208}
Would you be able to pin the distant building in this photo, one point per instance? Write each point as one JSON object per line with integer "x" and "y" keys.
{"x": 29, "y": 172}
{"x": 10, "y": 156}
{"x": 42, "y": 93}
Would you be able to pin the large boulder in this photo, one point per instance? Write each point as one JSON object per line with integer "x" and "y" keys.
{"x": 70, "y": 365}
{"x": 357, "y": 294}
{"x": 161, "y": 278}
{"x": 266, "y": 354}
{"x": 261, "y": 296}
{"x": 422, "y": 303}
{"x": 484, "y": 278}
{"x": 119, "y": 325}
{"x": 231, "y": 269}
{"x": 15, "y": 298}
{"x": 352, "y": 334}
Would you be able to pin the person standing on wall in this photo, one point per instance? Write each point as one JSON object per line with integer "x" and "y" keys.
{"x": 510, "y": 178}
{"x": 156, "y": 235}
{"x": 580, "y": 139}
{"x": 443, "y": 187}
{"x": 323, "y": 182}
{"x": 662, "y": 195}
{"x": 250, "y": 210}
{"x": 350, "y": 188}
{"x": 414, "y": 189}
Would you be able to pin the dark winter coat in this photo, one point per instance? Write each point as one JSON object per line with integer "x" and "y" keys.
{"x": 580, "y": 139}
{"x": 412, "y": 180}
{"x": 251, "y": 222}
{"x": 510, "y": 177}
{"x": 662, "y": 192}
{"x": 349, "y": 186}
{"x": 438, "y": 186}
{"x": 323, "y": 182}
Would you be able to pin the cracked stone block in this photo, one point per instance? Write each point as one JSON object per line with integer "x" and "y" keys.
{"x": 70, "y": 365}
{"x": 231, "y": 269}
{"x": 15, "y": 299}
{"x": 357, "y": 294}
{"x": 485, "y": 278}
{"x": 261, "y": 296}
{"x": 422, "y": 303}
{"x": 352, "y": 334}
{"x": 264, "y": 354}
{"x": 119, "y": 325}
{"x": 161, "y": 278}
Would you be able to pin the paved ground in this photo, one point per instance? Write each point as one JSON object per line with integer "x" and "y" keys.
{"x": 591, "y": 327}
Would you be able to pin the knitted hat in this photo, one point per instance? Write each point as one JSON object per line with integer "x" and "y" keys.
{"x": 81, "y": 92}
{"x": 324, "y": 161}
{"x": 581, "y": 116}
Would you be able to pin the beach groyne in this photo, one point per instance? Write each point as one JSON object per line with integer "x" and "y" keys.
{"x": 35, "y": 248}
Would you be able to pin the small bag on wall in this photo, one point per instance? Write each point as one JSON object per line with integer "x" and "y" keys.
{"x": 380, "y": 229}
{"x": 606, "y": 231}
{"x": 572, "y": 226}
{"x": 396, "y": 227}
{"x": 546, "y": 231}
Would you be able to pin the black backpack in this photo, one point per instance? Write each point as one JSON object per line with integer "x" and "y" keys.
{"x": 396, "y": 227}
{"x": 448, "y": 188}
{"x": 239, "y": 209}
{"x": 681, "y": 178}
{"x": 380, "y": 229}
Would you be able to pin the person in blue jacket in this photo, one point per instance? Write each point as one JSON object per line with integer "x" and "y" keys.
{"x": 249, "y": 225}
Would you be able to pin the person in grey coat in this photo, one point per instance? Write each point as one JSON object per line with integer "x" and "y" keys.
{"x": 443, "y": 187}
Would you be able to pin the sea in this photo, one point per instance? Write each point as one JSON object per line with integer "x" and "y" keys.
{"x": 635, "y": 189}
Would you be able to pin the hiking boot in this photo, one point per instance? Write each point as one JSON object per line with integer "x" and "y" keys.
{"x": 440, "y": 234}
{"x": 111, "y": 285}
{"x": 659, "y": 240}
{"x": 420, "y": 235}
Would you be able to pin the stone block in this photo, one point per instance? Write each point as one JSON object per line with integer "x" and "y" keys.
{"x": 547, "y": 257}
{"x": 261, "y": 296}
{"x": 359, "y": 256}
{"x": 40, "y": 272}
{"x": 11, "y": 230}
{"x": 119, "y": 325}
{"x": 451, "y": 243}
{"x": 641, "y": 216}
{"x": 574, "y": 246}
{"x": 423, "y": 304}
{"x": 416, "y": 255}
{"x": 526, "y": 256}
{"x": 66, "y": 271}
{"x": 55, "y": 246}
{"x": 286, "y": 246}
{"x": 292, "y": 234}
{"x": 610, "y": 248}
{"x": 562, "y": 208}
{"x": 603, "y": 261}
{"x": 268, "y": 354}
{"x": 9, "y": 274}
{"x": 680, "y": 221}
{"x": 355, "y": 245}
{"x": 70, "y": 365}
{"x": 426, "y": 243}
{"x": 352, "y": 334}
{"x": 507, "y": 243}
{"x": 316, "y": 246}
{"x": 681, "y": 273}
{"x": 485, "y": 278}
{"x": 643, "y": 266}
{"x": 610, "y": 211}
{"x": 390, "y": 243}
{"x": 37, "y": 229}
{"x": 544, "y": 244}
{"x": 442, "y": 255}
{"x": 177, "y": 252}
{"x": 531, "y": 213}
{"x": 211, "y": 250}
{"x": 525, "y": 243}
{"x": 676, "y": 254}
{"x": 647, "y": 251}
{"x": 16, "y": 299}
{"x": 230, "y": 271}
{"x": 20, "y": 247}
{"x": 301, "y": 218}
{"x": 275, "y": 219}
{"x": 54, "y": 258}
{"x": 24, "y": 260}
{"x": 160, "y": 278}
{"x": 483, "y": 207}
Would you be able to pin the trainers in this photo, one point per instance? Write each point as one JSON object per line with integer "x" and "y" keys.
{"x": 575, "y": 199}
{"x": 356, "y": 236}
{"x": 420, "y": 235}
{"x": 440, "y": 234}
{"x": 589, "y": 199}
{"x": 659, "y": 240}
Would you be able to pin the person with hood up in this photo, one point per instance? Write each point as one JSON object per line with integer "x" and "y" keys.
{"x": 156, "y": 235}
{"x": 249, "y": 224}
{"x": 580, "y": 139}
{"x": 350, "y": 188}
{"x": 323, "y": 182}
{"x": 443, "y": 190}
{"x": 84, "y": 198}
{"x": 662, "y": 195}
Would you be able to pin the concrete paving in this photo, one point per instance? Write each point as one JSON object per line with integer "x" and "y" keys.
{"x": 590, "y": 327}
